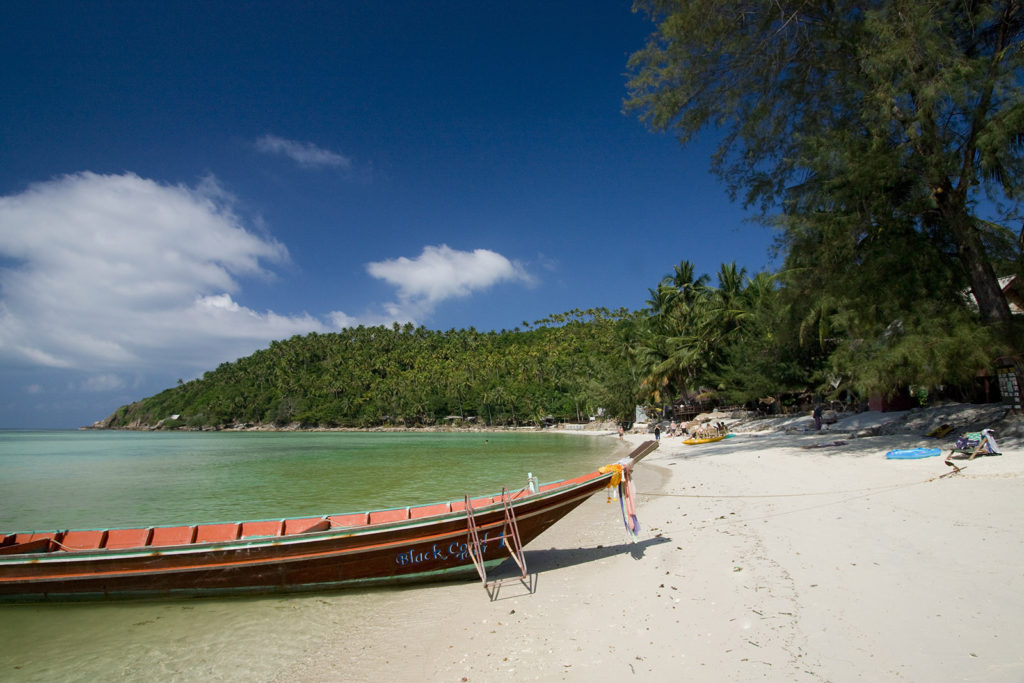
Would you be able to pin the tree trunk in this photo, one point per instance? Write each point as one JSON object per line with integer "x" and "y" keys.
{"x": 988, "y": 294}
{"x": 992, "y": 303}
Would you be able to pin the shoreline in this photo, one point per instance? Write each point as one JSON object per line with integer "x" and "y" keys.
{"x": 778, "y": 554}
{"x": 920, "y": 420}
{"x": 758, "y": 558}
{"x": 602, "y": 429}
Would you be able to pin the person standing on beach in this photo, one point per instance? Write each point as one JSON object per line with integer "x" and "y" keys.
{"x": 621, "y": 432}
{"x": 816, "y": 414}
{"x": 657, "y": 433}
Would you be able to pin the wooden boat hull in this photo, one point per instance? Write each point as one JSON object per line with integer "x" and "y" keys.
{"x": 430, "y": 547}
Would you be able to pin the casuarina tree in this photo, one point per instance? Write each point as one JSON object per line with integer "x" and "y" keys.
{"x": 867, "y": 118}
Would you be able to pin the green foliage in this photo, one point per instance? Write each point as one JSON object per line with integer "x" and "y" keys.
{"x": 927, "y": 347}
{"x": 564, "y": 366}
{"x": 881, "y": 115}
{"x": 816, "y": 328}
{"x": 719, "y": 342}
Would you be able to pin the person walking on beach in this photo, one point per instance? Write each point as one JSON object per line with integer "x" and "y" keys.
{"x": 621, "y": 432}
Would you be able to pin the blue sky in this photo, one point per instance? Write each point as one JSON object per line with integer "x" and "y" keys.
{"x": 182, "y": 183}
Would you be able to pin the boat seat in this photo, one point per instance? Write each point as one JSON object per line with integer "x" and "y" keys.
{"x": 273, "y": 527}
{"x": 582, "y": 478}
{"x": 40, "y": 545}
{"x": 127, "y": 538}
{"x": 37, "y": 536}
{"x": 512, "y": 495}
{"x": 429, "y": 510}
{"x": 91, "y": 539}
{"x": 306, "y": 525}
{"x": 351, "y": 519}
{"x": 460, "y": 505}
{"x": 172, "y": 535}
{"x": 217, "y": 533}
{"x": 382, "y": 516}
{"x": 568, "y": 482}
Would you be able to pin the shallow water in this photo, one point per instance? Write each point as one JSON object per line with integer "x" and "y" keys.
{"x": 58, "y": 480}
{"x": 70, "y": 479}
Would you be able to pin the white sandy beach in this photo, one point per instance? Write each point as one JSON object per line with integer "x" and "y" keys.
{"x": 759, "y": 559}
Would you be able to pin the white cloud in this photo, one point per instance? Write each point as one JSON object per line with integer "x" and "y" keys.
{"x": 119, "y": 276}
{"x": 441, "y": 273}
{"x": 102, "y": 383}
{"x": 120, "y": 272}
{"x": 341, "y": 320}
{"x": 303, "y": 153}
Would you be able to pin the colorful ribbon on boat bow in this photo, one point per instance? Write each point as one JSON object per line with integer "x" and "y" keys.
{"x": 621, "y": 478}
{"x": 616, "y": 471}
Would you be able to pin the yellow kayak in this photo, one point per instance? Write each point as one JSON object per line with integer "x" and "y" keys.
{"x": 709, "y": 439}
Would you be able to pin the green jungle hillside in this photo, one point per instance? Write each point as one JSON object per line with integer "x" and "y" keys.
{"x": 738, "y": 342}
{"x": 405, "y": 376}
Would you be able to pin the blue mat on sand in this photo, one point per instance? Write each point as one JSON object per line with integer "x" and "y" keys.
{"x": 913, "y": 453}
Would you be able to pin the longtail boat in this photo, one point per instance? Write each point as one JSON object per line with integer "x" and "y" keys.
{"x": 418, "y": 543}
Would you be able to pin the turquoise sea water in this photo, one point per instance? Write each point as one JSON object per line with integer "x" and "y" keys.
{"x": 73, "y": 479}
{"x": 92, "y": 479}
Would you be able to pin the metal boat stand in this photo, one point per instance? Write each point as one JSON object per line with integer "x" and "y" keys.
{"x": 509, "y": 538}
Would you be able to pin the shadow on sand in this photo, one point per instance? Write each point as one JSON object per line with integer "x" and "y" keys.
{"x": 540, "y": 561}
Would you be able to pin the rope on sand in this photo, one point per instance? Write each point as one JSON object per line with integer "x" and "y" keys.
{"x": 890, "y": 487}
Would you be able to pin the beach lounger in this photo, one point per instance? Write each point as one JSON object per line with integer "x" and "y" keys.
{"x": 971, "y": 445}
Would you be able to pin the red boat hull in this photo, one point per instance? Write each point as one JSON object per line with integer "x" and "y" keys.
{"x": 412, "y": 548}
